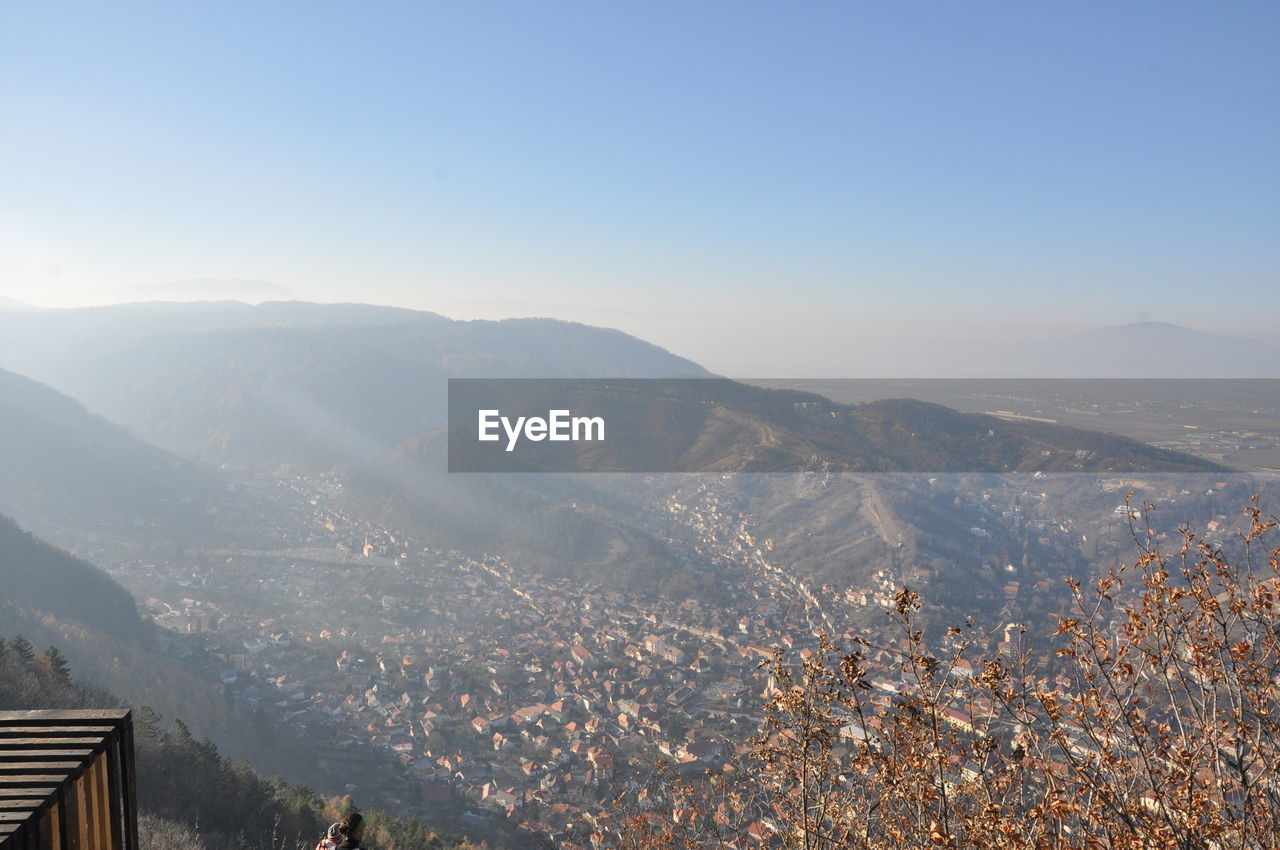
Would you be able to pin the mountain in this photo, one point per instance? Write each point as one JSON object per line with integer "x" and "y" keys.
{"x": 51, "y": 345}
{"x": 842, "y": 490}
{"x": 300, "y": 383}
{"x": 363, "y": 389}
{"x": 189, "y": 794}
{"x": 1151, "y": 350}
{"x": 41, "y": 579}
{"x": 718, "y": 425}
{"x": 9, "y": 304}
{"x": 52, "y": 597}
{"x": 77, "y": 475}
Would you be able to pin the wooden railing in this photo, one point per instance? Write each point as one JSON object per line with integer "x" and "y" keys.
{"x": 67, "y": 781}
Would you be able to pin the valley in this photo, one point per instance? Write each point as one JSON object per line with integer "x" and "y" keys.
{"x": 502, "y": 655}
{"x": 473, "y": 690}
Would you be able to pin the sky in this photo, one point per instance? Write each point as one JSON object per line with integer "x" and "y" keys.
{"x": 785, "y": 189}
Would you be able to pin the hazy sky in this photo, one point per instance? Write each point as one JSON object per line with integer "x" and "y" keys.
{"x": 750, "y": 184}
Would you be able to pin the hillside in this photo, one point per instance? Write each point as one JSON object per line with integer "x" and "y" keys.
{"x": 45, "y": 581}
{"x": 190, "y": 795}
{"x": 362, "y": 388}
{"x": 54, "y": 598}
{"x": 13, "y": 305}
{"x": 841, "y": 490}
{"x": 559, "y": 523}
{"x": 291, "y": 382}
{"x": 719, "y": 425}
{"x": 67, "y": 470}
{"x": 1148, "y": 349}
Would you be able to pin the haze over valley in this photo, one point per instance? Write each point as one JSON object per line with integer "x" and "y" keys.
{"x": 490, "y": 651}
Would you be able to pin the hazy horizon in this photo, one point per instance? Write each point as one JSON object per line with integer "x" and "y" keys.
{"x": 764, "y": 191}
{"x": 907, "y": 347}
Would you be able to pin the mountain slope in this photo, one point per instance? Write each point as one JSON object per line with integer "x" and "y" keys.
{"x": 812, "y": 473}
{"x": 1153, "y": 349}
{"x": 299, "y": 383}
{"x": 64, "y": 467}
{"x": 719, "y": 425}
{"x": 42, "y": 579}
{"x": 13, "y": 305}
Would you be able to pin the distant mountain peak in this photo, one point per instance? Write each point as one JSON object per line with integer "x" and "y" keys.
{"x": 1159, "y": 350}
{"x": 1153, "y": 328}
{"x": 14, "y": 305}
{"x": 1153, "y": 325}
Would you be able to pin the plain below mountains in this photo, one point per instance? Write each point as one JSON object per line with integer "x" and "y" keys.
{"x": 1136, "y": 350}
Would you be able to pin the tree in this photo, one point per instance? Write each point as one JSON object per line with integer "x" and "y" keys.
{"x": 1149, "y": 719}
{"x": 150, "y": 722}
{"x": 22, "y": 650}
{"x": 155, "y": 833}
{"x": 57, "y": 663}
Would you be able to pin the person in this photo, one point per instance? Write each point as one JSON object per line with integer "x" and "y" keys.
{"x": 344, "y": 835}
